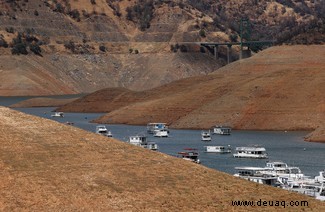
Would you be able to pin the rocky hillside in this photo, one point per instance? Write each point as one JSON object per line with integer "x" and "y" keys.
{"x": 47, "y": 166}
{"x": 280, "y": 88}
{"x": 79, "y": 46}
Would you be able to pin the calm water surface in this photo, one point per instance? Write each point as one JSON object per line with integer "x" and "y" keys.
{"x": 288, "y": 147}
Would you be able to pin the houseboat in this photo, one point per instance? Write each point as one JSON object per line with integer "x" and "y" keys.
{"x": 139, "y": 140}
{"x": 152, "y": 127}
{"x": 284, "y": 172}
{"x": 102, "y": 130}
{"x": 161, "y": 133}
{"x": 190, "y": 154}
{"x": 222, "y": 130}
{"x": 58, "y": 114}
{"x": 251, "y": 152}
{"x": 255, "y": 174}
{"x": 205, "y": 136}
{"x": 217, "y": 149}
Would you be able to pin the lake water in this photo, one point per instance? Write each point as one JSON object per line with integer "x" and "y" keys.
{"x": 288, "y": 147}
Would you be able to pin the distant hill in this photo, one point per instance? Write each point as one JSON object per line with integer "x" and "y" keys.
{"x": 80, "y": 46}
{"x": 280, "y": 88}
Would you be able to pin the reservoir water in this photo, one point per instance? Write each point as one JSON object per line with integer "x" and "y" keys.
{"x": 288, "y": 147}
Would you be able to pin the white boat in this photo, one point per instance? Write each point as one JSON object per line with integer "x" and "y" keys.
{"x": 283, "y": 171}
{"x": 251, "y": 152}
{"x": 58, "y": 114}
{"x": 255, "y": 174}
{"x": 222, "y": 130}
{"x": 217, "y": 149}
{"x": 161, "y": 133}
{"x": 206, "y": 136}
{"x": 152, "y": 127}
{"x": 139, "y": 140}
{"x": 102, "y": 130}
{"x": 321, "y": 177}
{"x": 190, "y": 155}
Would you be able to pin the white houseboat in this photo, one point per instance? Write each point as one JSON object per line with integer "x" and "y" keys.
{"x": 206, "y": 136}
{"x": 102, "y": 130}
{"x": 251, "y": 152}
{"x": 190, "y": 155}
{"x": 58, "y": 114}
{"x": 139, "y": 140}
{"x": 217, "y": 149}
{"x": 255, "y": 174}
{"x": 222, "y": 130}
{"x": 161, "y": 133}
{"x": 285, "y": 173}
{"x": 152, "y": 127}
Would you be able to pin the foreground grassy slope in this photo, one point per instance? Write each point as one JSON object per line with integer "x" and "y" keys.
{"x": 50, "y": 166}
{"x": 281, "y": 88}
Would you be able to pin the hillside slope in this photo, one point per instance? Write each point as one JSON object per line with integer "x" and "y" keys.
{"x": 280, "y": 88}
{"x": 66, "y": 47}
{"x": 50, "y": 166}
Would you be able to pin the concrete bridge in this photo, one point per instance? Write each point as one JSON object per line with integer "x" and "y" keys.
{"x": 245, "y": 47}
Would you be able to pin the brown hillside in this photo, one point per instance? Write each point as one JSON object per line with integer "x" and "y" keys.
{"x": 55, "y": 74}
{"x": 49, "y": 166}
{"x": 280, "y": 88}
{"x": 79, "y": 46}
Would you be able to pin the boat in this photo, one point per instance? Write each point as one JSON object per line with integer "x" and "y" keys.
{"x": 152, "y": 127}
{"x": 222, "y": 130}
{"x": 140, "y": 140}
{"x": 255, "y": 174}
{"x": 251, "y": 152}
{"x": 190, "y": 154}
{"x": 69, "y": 123}
{"x": 217, "y": 149}
{"x": 321, "y": 177}
{"x": 102, "y": 130}
{"x": 161, "y": 133}
{"x": 206, "y": 136}
{"x": 58, "y": 114}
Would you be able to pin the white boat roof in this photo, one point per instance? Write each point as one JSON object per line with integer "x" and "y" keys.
{"x": 251, "y": 148}
{"x": 252, "y": 168}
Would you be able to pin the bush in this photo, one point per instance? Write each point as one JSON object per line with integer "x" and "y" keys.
{"x": 19, "y": 48}
{"x": 36, "y": 13}
{"x": 202, "y": 33}
{"x": 35, "y": 48}
{"x": 102, "y": 48}
{"x": 3, "y": 43}
{"x": 183, "y": 48}
{"x": 10, "y": 30}
{"x": 136, "y": 51}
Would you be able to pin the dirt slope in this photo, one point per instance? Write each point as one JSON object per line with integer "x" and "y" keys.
{"x": 55, "y": 74}
{"x": 281, "y": 88}
{"x": 50, "y": 166}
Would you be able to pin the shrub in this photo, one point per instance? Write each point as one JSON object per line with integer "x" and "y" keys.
{"x": 19, "y": 48}
{"x": 202, "y": 33}
{"x": 102, "y": 48}
{"x": 35, "y": 48}
{"x": 136, "y": 51}
{"x": 3, "y": 43}
{"x": 36, "y": 13}
{"x": 183, "y": 48}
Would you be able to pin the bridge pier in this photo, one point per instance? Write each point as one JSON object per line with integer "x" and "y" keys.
{"x": 216, "y": 52}
{"x": 228, "y": 53}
